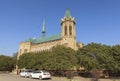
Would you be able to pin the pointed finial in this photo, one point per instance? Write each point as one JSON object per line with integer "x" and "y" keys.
{"x": 67, "y": 13}
{"x": 43, "y": 29}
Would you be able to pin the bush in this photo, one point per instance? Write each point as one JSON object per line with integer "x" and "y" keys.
{"x": 70, "y": 74}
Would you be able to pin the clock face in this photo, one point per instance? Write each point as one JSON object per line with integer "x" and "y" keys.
{"x": 65, "y": 40}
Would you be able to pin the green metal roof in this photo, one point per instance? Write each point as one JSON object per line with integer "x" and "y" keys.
{"x": 67, "y": 13}
{"x": 44, "y": 39}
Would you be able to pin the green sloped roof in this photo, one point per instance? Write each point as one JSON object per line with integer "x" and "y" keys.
{"x": 43, "y": 39}
{"x": 67, "y": 14}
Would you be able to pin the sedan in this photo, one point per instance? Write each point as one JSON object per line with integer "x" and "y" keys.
{"x": 40, "y": 74}
{"x": 25, "y": 73}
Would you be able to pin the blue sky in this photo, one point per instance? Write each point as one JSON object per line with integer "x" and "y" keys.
{"x": 96, "y": 21}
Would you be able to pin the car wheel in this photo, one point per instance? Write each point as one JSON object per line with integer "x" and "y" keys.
{"x": 40, "y": 77}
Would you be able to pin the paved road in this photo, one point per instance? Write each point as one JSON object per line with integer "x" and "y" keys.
{"x": 12, "y": 77}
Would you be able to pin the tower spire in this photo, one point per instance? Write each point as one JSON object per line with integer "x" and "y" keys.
{"x": 67, "y": 13}
{"x": 43, "y": 29}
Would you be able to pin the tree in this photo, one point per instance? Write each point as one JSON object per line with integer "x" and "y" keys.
{"x": 27, "y": 60}
{"x": 6, "y": 63}
{"x": 63, "y": 58}
{"x": 95, "y": 56}
{"x": 14, "y": 57}
{"x": 59, "y": 58}
{"x": 115, "y": 51}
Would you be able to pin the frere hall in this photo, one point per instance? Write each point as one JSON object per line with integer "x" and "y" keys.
{"x": 67, "y": 37}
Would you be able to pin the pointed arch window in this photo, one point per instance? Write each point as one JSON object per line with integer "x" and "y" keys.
{"x": 70, "y": 30}
{"x": 65, "y": 30}
{"x": 25, "y": 50}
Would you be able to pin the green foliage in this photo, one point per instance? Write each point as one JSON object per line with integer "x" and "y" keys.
{"x": 27, "y": 60}
{"x": 95, "y": 56}
{"x": 60, "y": 58}
{"x": 91, "y": 56}
{"x": 6, "y": 63}
{"x": 115, "y": 51}
{"x": 64, "y": 58}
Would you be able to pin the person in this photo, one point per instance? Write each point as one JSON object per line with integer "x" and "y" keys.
{"x": 17, "y": 72}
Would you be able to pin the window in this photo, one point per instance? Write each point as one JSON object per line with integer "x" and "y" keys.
{"x": 70, "y": 30}
{"x": 25, "y": 50}
{"x": 65, "y": 30}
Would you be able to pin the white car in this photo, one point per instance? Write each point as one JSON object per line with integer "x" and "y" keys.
{"x": 25, "y": 73}
{"x": 40, "y": 74}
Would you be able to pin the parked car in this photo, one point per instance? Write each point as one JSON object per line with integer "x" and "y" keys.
{"x": 25, "y": 73}
{"x": 40, "y": 74}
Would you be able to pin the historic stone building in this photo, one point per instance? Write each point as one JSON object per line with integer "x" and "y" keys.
{"x": 67, "y": 37}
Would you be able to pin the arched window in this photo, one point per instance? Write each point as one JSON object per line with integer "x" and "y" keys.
{"x": 65, "y": 30}
{"x": 70, "y": 30}
{"x": 25, "y": 50}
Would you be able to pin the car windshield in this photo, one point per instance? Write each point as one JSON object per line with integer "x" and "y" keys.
{"x": 28, "y": 71}
{"x": 39, "y": 71}
{"x": 44, "y": 71}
